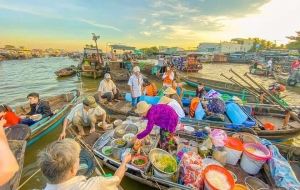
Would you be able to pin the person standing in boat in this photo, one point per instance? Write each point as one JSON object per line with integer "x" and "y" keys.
{"x": 59, "y": 163}
{"x": 84, "y": 115}
{"x": 107, "y": 89}
{"x": 10, "y": 116}
{"x": 270, "y": 66}
{"x": 135, "y": 84}
{"x": 160, "y": 64}
{"x": 200, "y": 91}
{"x": 168, "y": 77}
{"x": 37, "y": 106}
{"x": 160, "y": 115}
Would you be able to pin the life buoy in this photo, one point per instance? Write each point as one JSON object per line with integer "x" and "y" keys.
{"x": 291, "y": 82}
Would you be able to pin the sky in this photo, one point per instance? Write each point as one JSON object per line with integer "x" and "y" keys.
{"x": 68, "y": 24}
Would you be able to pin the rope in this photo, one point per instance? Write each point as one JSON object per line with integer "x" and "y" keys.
{"x": 28, "y": 179}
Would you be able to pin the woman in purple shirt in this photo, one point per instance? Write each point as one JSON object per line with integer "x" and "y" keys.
{"x": 161, "y": 115}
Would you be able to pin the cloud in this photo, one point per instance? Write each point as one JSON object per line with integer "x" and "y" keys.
{"x": 99, "y": 25}
{"x": 157, "y": 23}
{"x": 162, "y": 27}
{"x": 143, "y": 20}
{"x": 26, "y": 10}
{"x": 146, "y": 33}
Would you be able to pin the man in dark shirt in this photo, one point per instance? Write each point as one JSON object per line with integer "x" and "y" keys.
{"x": 200, "y": 91}
{"x": 37, "y": 106}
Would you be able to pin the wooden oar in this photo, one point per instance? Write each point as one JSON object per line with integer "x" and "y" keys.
{"x": 239, "y": 84}
{"x": 289, "y": 113}
{"x": 255, "y": 89}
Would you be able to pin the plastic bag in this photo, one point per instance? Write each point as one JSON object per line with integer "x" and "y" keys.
{"x": 207, "y": 143}
{"x": 219, "y": 137}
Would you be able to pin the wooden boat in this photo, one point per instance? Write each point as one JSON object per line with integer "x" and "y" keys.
{"x": 261, "y": 72}
{"x": 273, "y": 116}
{"x": 291, "y": 80}
{"x": 92, "y": 63}
{"x": 68, "y": 71}
{"x": 118, "y": 71}
{"x": 220, "y": 86}
{"x": 60, "y": 104}
{"x": 18, "y": 149}
{"x": 145, "y": 175}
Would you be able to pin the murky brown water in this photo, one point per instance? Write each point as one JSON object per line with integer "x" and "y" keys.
{"x": 19, "y": 78}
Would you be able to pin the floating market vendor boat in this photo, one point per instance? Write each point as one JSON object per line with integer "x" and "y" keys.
{"x": 60, "y": 104}
{"x": 258, "y": 71}
{"x": 149, "y": 172}
{"x": 68, "y": 71}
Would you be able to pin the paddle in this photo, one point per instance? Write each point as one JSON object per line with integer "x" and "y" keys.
{"x": 289, "y": 113}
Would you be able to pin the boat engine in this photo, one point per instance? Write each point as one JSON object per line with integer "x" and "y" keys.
{"x": 294, "y": 77}
{"x": 275, "y": 89}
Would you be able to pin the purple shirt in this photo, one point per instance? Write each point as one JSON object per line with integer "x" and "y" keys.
{"x": 161, "y": 115}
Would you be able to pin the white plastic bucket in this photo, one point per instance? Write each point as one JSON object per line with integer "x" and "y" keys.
{"x": 233, "y": 156}
{"x": 251, "y": 165}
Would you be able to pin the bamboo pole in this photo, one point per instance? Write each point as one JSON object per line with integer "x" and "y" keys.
{"x": 270, "y": 95}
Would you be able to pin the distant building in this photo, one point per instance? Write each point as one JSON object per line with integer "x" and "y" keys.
{"x": 235, "y": 45}
{"x": 166, "y": 49}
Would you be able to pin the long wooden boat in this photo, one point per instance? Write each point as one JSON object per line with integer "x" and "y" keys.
{"x": 220, "y": 86}
{"x": 60, "y": 104}
{"x": 68, "y": 71}
{"x": 146, "y": 176}
{"x": 18, "y": 149}
{"x": 272, "y": 116}
{"x": 260, "y": 72}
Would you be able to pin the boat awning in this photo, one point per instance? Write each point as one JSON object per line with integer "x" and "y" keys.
{"x": 122, "y": 47}
{"x": 92, "y": 50}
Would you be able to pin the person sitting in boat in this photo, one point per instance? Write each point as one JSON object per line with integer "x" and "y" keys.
{"x": 135, "y": 84}
{"x": 168, "y": 77}
{"x": 174, "y": 104}
{"x": 200, "y": 91}
{"x": 216, "y": 105}
{"x": 255, "y": 64}
{"x": 59, "y": 163}
{"x": 178, "y": 88}
{"x": 84, "y": 115}
{"x": 10, "y": 116}
{"x": 37, "y": 106}
{"x": 8, "y": 162}
{"x": 171, "y": 93}
{"x": 295, "y": 64}
{"x": 160, "y": 115}
{"x": 149, "y": 89}
{"x": 107, "y": 89}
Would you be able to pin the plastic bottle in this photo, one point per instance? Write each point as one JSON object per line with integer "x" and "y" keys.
{"x": 220, "y": 155}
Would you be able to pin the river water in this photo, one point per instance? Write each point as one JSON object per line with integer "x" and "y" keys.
{"x": 18, "y": 78}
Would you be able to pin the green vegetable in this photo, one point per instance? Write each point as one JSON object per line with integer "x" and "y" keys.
{"x": 169, "y": 169}
{"x": 139, "y": 162}
{"x": 108, "y": 151}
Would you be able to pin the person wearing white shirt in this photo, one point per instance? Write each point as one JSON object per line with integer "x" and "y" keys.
{"x": 84, "y": 115}
{"x": 107, "y": 89}
{"x": 135, "y": 84}
{"x": 270, "y": 64}
{"x": 174, "y": 104}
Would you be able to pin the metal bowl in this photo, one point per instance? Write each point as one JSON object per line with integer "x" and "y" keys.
{"x": 159, "y": 152}
{"x": 130, "y": 129}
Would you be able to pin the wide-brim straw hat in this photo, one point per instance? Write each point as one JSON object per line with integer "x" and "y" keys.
{"x": 169, "y": 91}
{"x": 142, "y": 107}
{"x": 164, "y": 100}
